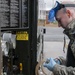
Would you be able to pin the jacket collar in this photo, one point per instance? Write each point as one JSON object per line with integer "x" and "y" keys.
{"x": 70, "y": 28}
{"x": 70, "y": 32}
{"x": 71, "y": 24}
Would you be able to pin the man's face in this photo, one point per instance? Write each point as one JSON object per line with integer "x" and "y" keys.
{"x": 62, "y": 18}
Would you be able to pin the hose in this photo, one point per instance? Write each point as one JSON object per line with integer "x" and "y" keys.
{"x": 38, "y": 67}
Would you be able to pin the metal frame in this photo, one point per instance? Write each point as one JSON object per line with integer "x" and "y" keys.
{"x": 31, "y": 44}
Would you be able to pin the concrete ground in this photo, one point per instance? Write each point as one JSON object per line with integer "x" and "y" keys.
{"x": 54, "y": 49}
{"x": 53, "y": 39}
{"x": 53, "y": 45}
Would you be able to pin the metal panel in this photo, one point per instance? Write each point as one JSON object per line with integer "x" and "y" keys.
{"x": 25, "y": 20}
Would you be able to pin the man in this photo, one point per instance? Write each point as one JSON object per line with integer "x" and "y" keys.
{"x": 66, "y": 20}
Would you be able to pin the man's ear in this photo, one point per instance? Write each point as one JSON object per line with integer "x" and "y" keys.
{"x": 68, "y": 13}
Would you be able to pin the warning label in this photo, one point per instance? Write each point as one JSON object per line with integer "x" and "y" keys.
{"x": 22, "y": 35}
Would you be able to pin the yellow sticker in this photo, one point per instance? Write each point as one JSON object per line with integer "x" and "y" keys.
{"x": 22, "y": 35}
{"x": 21, "y": 67}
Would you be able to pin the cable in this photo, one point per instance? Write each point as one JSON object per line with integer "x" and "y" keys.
{"x": 38, "y": 67}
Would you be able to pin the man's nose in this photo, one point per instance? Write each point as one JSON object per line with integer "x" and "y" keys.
{"x": 59, "y": 25}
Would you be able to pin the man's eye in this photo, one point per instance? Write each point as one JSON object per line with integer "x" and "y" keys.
{"x": 59, "y": 20}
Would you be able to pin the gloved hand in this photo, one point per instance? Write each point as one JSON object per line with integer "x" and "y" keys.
{"x": 57, "y": 61}
{"x": 49, "y": 64}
